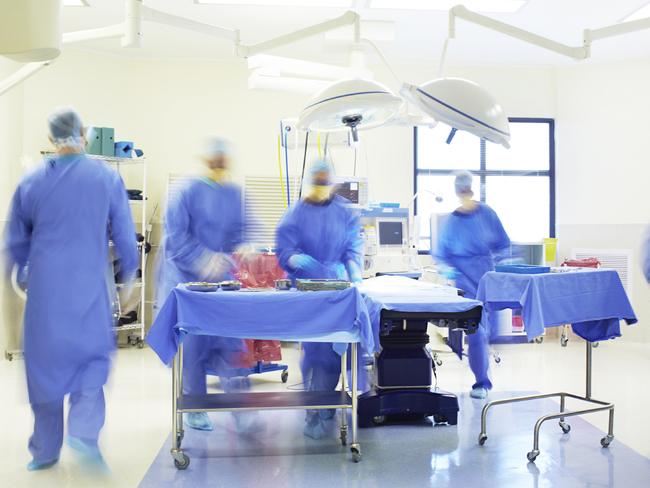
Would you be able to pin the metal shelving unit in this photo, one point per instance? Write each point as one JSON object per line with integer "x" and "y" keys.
{"x": 139, "y": 208}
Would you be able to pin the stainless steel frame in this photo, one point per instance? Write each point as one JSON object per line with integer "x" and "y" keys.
{"x": 182, "y": 461}
{"x": 602, "y": 406}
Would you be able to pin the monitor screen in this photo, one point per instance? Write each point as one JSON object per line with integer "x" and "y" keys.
{"x": 349, "y": 190}
{"x": 390, "y": 233}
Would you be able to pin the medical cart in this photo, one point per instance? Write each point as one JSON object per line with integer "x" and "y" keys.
{"x": 593, "y": 301}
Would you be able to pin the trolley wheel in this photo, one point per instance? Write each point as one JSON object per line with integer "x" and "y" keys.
{"x": 181, "y": 465}
{"x": 284, "y": 376}
{"x": 497, "y": 359}
{"x": 566, "y": 428}
{"x": 595, "y": 344}
{"x": 379, "y": 419}
{"x": 439, "y": 419}
{"x": 141, "y": 344}
{"x": 539, "y": 340}
{"x": 607, "y": 440}
{"x": 356, "y": 453}
{"x": 532, "y": 455}
{"x": 564, "y": 341}
{"x": 481, "y": 439}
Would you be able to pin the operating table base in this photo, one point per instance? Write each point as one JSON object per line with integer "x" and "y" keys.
{"x": 379, "y": 405}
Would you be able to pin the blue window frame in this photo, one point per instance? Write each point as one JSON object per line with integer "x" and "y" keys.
{"x": 519, "y": 183}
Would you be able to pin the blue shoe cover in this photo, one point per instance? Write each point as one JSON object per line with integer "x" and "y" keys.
{"x": 199, "y": 421}
{"x": 480, "y": 393}
{"x": 315, "y": 428}
{"x": 34, "y": 465}
{"x": 89, "y": 454}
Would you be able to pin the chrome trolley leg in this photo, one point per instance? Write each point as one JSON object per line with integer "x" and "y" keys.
{"x": 181, "y": 460}
{"x": 344, "y": 388}
{"x": 355, "y": 448}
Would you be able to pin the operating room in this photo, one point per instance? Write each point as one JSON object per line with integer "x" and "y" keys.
{"x": 411, "y": 238}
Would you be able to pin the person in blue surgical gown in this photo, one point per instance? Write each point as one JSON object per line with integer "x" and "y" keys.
{"x": 319, "y": 237}
{"x": 469, "y": 243}
{"x": 204, "y": 225}
{"x": 61, "y": 219}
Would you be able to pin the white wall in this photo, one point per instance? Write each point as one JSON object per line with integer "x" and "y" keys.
{"x": 603, "y": 165}
{"x": 11, "y": 113}
{"x": 166, "y": 107}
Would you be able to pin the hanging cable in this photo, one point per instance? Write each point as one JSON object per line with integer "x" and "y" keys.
{"x": 304, "y": 163}
{"x": 354, "y": 173}
{"x": 383, "y": 59}
{"x": 286, "y": 164}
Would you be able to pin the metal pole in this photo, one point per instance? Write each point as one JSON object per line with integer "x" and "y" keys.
{"x": 344, "y": 413}
{"x": 588, "y": 372}
{"x": 354, "y": 392}
{"x": 175, "y": 404}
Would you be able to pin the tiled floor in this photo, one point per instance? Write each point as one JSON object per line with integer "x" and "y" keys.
{"x": 138, "y": 421}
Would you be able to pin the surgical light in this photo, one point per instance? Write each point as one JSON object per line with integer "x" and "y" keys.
{"x": 30, "y": 30}
{"x": 352, "y": 105}
{"x": 463, "y": 105}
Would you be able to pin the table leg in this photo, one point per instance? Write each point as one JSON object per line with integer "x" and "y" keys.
{"x": 355, "y": 448}
{"x": 344, "y": 388}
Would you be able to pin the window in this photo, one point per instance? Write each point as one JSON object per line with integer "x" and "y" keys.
{"x": 518, "y": 183}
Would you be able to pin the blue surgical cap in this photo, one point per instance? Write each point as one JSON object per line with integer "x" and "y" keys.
{"x": 216, "y": 146}
{"x": 321, "y": 166}
{"x": 463, "y": 182}
{"x": 66, "y": 127}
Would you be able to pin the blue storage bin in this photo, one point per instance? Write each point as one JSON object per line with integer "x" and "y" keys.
{"x": 522, "y": 268}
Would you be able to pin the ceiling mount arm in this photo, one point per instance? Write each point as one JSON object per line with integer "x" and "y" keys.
{"x": 591, "y": 35}
{"x": 349, "y": 18}
{"x": 21, "y": 75}
{"x": 461, "y": 12}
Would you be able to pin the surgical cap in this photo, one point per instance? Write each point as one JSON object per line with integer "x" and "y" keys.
{"x": 321, "y": 166}
{"x": 216, "y": 146}
{"x": 463, "y": 182}
{"x": 66, "y": 128}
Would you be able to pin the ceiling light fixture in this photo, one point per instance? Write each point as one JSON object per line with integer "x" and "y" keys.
{"x": 279, "y": 3}
{"x": 493, "y": 6}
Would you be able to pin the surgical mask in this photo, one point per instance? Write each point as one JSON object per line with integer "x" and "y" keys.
{"x": 219, "y": 174}
{"x": 320, "y": 193}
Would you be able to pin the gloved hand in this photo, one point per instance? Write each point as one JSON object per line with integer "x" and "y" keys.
{"x": 354, "y": 272}
{"x": 303, "y": 262}
{"x": 448, "y": 272}
{"x": 216, "y": 267}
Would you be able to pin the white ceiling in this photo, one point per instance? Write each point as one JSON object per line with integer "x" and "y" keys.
{"x": 419, "y": 35}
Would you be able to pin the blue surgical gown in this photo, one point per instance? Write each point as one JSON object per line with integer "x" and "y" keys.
{"x": 62, "y": 217}
{"x": 329, "y": 233}
{"x": 470, "y": 243}
{"x": 203, "y": 219}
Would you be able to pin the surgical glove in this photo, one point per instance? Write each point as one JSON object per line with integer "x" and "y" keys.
{"x": 216, "y": 267}
{"x": 303, "y": 262}
{"x": 199, "y": 421}
{"x": 354, "y": 272}
{"x": 448, "y": 272}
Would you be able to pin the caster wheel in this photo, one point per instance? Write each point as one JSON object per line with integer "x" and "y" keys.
{"x": 564, "y": 342}
{"x": 607, "y": 440}
{"x": 181, "y": 465}
{"x": 566, "y": 428}
{"x": 595, "y": 344}
{"x": 439, "y": 419}
{"x": 497, "y": 360}
{"x": 438, "y": 362}
{"x": 356, "y": 454}
{"x": 284, "y": 376}
{"x": 141, "y": 345}
{"x": 539, "y": 340}
{"x": 379, "y": 419}
{"x": 532, "y": 455}
{"x": 481, "y": 439}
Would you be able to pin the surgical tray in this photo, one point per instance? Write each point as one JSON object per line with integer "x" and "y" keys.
{"x": 321, "y": 285}
{"x": 230, "y": 285}
{"x": 522, "y": 268}
{"x": 202, "y": 286}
